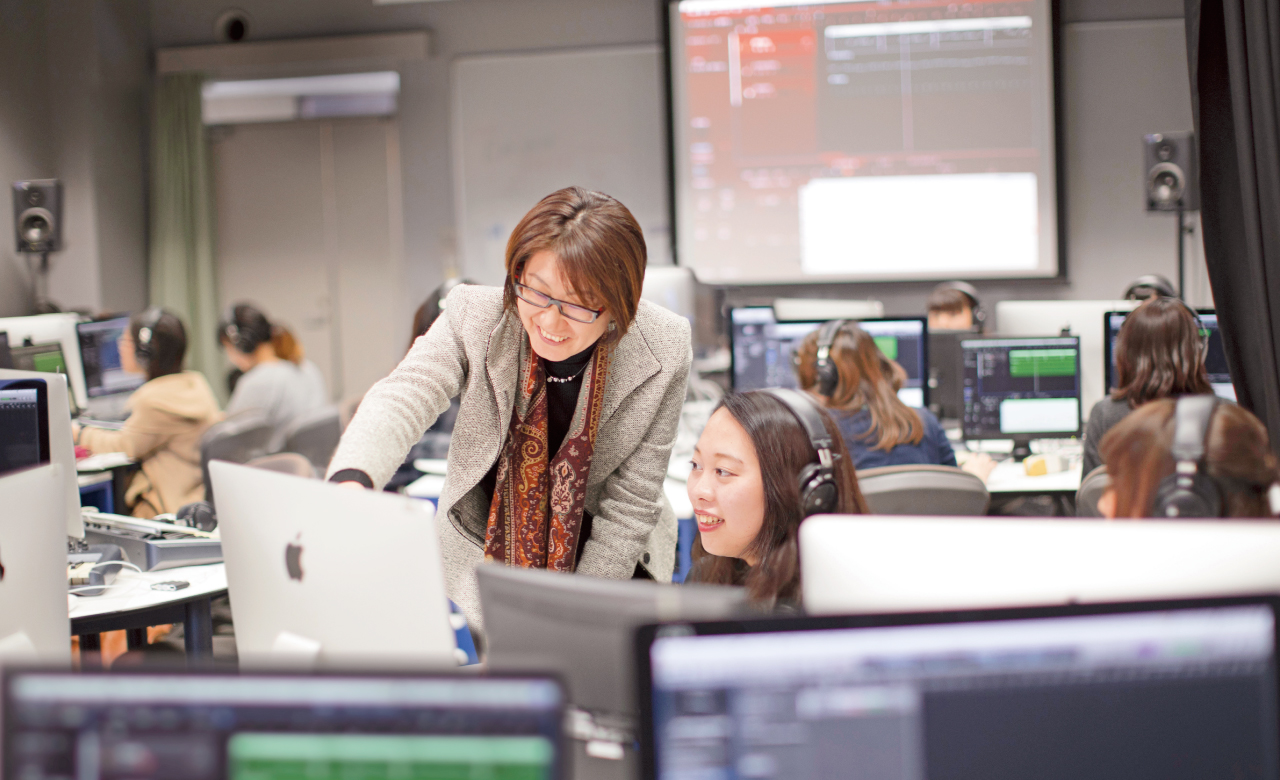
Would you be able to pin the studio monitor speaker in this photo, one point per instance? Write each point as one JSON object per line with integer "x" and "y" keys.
{"x": 1172, "y": 175}
{"x": 37, "y": 215}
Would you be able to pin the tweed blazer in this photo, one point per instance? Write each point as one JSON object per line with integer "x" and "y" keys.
{"x": 473, "y": 351}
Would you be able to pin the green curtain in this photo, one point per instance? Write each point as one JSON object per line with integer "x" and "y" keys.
{"x": 181, "y": 263}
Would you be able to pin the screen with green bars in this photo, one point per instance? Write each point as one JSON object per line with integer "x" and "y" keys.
{"x": 1042, "y": 362}
{"x": 888, "y": 345}
{"x": 387, "y": 757}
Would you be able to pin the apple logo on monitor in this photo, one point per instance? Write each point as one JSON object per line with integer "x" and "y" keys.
{"x": 1, "y": 571}
{"x": 293, "y": 559}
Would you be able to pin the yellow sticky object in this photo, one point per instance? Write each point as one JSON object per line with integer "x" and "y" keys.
{"x": 1036, "y": 466}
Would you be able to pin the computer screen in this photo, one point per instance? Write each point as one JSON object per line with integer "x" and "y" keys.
{"x": 45, "y": 358}
{"x": 261, "y": 727}
{"x": 763, "y": 350}
{"x": 1215, "y": 359}
{"x": 1173, "y": 691}
{"x": 24, "y": 423}
{"x": 100, "y": 353}
{"x": 1021, "y": 388}
{"x": 833, "y": 139}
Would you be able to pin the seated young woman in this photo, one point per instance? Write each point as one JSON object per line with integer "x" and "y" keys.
{"x": 745, "y": 487}
{"x": 1236, "y": 463}
{"x": 168, "y": 416}
{"x": 1159, "y": 354}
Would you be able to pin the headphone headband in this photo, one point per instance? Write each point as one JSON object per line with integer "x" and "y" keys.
{"x": 818, "y": 490}
{"x": 144, "y": 349}
{"x": 808, "y": 414}
{"x": 970, "y": 292}
{"x": 1189, "y": 491}
{"x": 828, "y": 376}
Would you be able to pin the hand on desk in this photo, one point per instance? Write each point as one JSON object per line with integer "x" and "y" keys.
{"x": 980, "y": 464}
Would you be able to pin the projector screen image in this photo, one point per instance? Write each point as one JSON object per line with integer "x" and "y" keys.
{"x": 907, "y": 139}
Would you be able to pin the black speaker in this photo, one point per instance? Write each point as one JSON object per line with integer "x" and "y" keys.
{"x": 37, "y": 215}
{"x": 1172, "y": 175}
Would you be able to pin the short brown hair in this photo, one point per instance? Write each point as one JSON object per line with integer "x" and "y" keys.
{"x": 949, "y": 301}
{"x": 600, "y": 246}
{"x": 866, "y": 379}
{"x": 1138, "y": 454}
{"x": 1160, "y": 353}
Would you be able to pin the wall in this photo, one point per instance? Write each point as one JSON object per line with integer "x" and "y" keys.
{"x": 1125, "y": 75}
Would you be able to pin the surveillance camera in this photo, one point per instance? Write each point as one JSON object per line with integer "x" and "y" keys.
{"x": 232, "y": 26}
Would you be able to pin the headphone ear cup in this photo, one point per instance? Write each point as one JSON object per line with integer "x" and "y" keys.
{"x": 1181, "y": 496}
{"x": 818, "y": 492}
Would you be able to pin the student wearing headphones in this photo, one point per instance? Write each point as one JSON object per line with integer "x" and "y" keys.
{"x": 766, "y": 460}
{"x": 1194, "y": 456}
{"x": 1160, "y": 353}
{"x": 277, "y": 378}
{"x": 955, "y": 306}
{"x": 571, "y": 389}
{"x": 169, "y": 414}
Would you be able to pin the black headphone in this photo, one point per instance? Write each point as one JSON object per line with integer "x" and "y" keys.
{"x": 144, "y": 348}
{"x": 818, "y": 490}
{"x": 243, "y": 339}
{"x": 975, "y": 304}
{"x": 1157, "y": 284}
{"x": 828, "y": 376}
{"x": 1189, "y": 491}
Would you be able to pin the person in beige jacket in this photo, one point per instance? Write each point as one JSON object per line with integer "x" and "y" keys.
{"x": 168, "y": 416}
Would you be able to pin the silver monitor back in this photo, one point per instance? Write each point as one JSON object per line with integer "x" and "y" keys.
{"x": 34, "y": 626}
{"x": 48, "y": 329}
{"x": 62, "y": 447}
{"x": 582, "y": 627}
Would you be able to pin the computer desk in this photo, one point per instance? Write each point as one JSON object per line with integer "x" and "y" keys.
{"x": 130, "y": 604}
{"x": 1009, "y": 478}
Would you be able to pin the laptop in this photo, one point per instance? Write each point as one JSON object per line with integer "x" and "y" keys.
{"x": 210, "y": 726}
{"x": 323, "y": 575}
{"x": 1172, "y": 690}
{"x": 34, "y": 626}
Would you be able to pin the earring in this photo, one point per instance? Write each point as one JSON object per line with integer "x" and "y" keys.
{"x": 612, "y": 327}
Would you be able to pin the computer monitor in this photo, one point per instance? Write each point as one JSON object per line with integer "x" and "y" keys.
{"x": 1215, "y": 359}
{"x": 210, "y": 726}
{"x": 581, "y": 627}
{"x": 1021, "y": 389}
{"x": 6, "y": 356}
{"x": 33, "y": 567}
{"x": 44, "y": 358}
{"x": 24, "y": 423}
{"x": 946, "y": 373}
{"x": 62, "y": 450}
{"x": 100, "y": 355}
{"x": 43, "y": 331}
{"x": 1159, "y": 690}
{"x": 763, "y": 348}
{"x": 671, "y": 287}
{"x": 318, "y": 573}
{"x": 900, "y": 564}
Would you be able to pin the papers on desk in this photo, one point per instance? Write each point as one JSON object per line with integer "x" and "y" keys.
{"x": 103, "y": 462}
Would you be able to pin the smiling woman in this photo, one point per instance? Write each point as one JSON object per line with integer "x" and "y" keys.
{"x": 570, "y": 393}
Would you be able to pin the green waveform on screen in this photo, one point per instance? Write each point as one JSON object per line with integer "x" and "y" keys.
{"x": 1026, "y": 363}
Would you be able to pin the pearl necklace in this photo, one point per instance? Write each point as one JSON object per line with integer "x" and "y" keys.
{"x": 562, "y": 380}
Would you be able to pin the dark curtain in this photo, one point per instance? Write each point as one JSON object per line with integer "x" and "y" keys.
{"x": 1233, "y": 49}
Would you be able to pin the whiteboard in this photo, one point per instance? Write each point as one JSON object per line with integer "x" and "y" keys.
{"x": 526, "y": 125}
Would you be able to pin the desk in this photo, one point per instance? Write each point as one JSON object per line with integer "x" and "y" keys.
{"x": 130, "y": 604}
{"x": 104, "y": 479}
{"x": 1010, "y": 478}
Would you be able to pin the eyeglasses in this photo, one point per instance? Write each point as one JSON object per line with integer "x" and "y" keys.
{"x": 570, "y": 311}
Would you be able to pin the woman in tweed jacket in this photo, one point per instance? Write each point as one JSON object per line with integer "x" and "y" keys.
{"x": 570, "y": 393}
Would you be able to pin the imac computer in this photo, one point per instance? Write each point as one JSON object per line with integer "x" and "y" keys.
{"x": 855, "y": 564}
{"x": 107, "y": 385}
{"x": 1021, "y": 389}
{"x": 51, "y": 418}
{"x": 671, "y": 287}
{"x": 34, "y": 627}
{"x": 153, "y": 725}
{"x": 1183, "y": 689}
{"x": 1215, "y": 359}
{"x": 48, "y": 343}
{"x": 763, "y": 349}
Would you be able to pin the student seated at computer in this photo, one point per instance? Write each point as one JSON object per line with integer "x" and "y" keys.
{"x": 954, "y": 306}
{"x": 278, "y": 379}
{"x": 1159, "y": 354}
{"x": 1234, "y": 468}
{"x": 751, "y": 467}
{"x": 170, "y": 412}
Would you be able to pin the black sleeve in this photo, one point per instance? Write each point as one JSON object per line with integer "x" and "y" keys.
{"x": 352, "y": 475}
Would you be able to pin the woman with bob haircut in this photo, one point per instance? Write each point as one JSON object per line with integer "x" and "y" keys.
{"x": 570, "y": 393}
{"x": 168, "y": 415}
{"x": 745, "y": 491}
{"x": 1237, "y": 460}
{"x": 1159, "y": 354}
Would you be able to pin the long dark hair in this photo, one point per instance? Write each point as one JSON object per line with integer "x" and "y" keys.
{"x": 255, "y": 329}
{"x": 783, "y": 449}
{"x": 1160, "y": 353}
{"x": 168, "y": 343}
{"x": 864, "y": 381}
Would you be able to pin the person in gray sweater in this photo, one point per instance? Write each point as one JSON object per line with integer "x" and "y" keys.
{"x": 277, "y": 379}
{"x": 1160, "y": 353}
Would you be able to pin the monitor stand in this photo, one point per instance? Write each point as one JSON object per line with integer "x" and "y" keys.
{"x": 1021, "y": 449}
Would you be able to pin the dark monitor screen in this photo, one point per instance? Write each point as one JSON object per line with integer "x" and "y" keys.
{"x": 763, "y": 349}
{"x": 1182, "y": 691}
{"x": 1215, "y": 359}
{"x": 6, "y": 357}
{"x": 45, "y": 358}
{"x": 1021, "y": 388}
{"x": 24, "y": 423}
{"x": 100, "y": 353}
{"x": 265, "y": 726}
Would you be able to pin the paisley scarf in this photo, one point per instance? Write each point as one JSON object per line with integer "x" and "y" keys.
{"x": 535, "y": 518}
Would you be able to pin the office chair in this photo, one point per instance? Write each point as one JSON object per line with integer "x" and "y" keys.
{"x": 347, "y": 409}
{"x": 923, "y": 490}
{"x": 237, "y": 439}
{"x": 1094, "y": 484}
{"x": 285, "y": 463}
{"x": 315, "y": 436}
